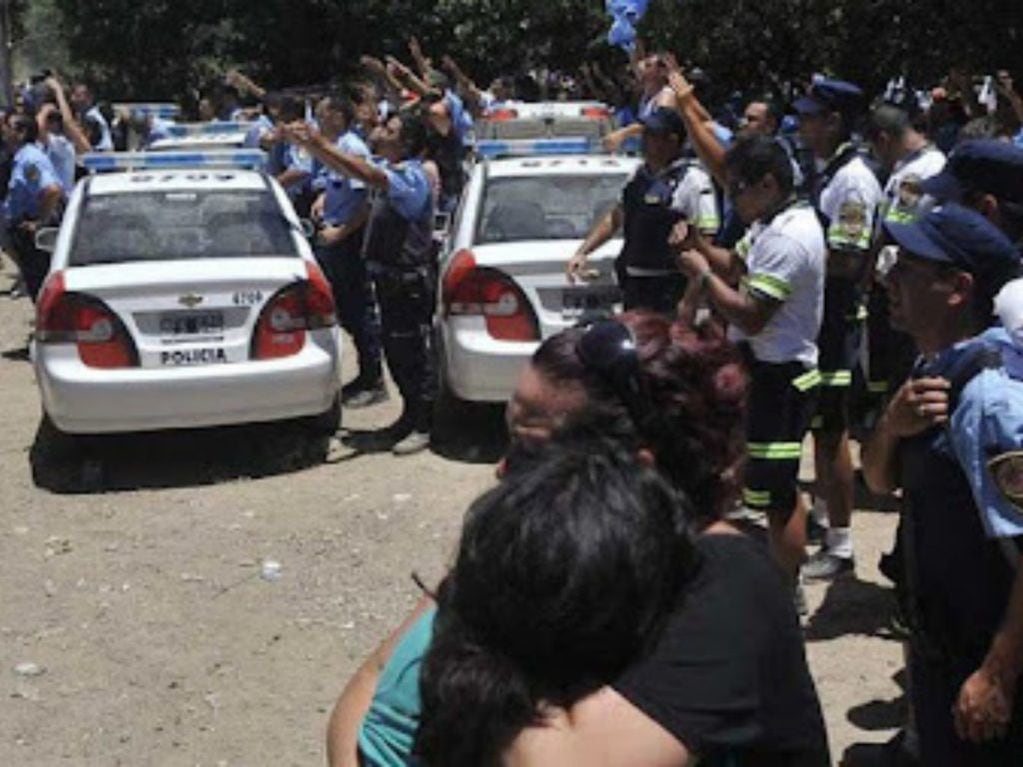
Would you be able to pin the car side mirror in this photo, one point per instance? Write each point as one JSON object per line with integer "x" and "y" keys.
{"x": 46, "y": 239}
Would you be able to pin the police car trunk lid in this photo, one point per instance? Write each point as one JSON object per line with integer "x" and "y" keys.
{"x": 187, "y": 312}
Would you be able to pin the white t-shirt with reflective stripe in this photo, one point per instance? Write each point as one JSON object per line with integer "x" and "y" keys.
{"x": 903, "y": 200}
{"x": 850, "y": 202}
{"x": 786, "y": 262}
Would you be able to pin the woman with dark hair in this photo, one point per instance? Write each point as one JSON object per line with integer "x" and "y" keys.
{"x": 565, "y": 573}
{"x": 728, "y": 678}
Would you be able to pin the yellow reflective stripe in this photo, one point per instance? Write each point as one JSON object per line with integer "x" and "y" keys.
{"x": 859, "y": 315}
{"x": 756, "y": 499}
{"x": 837, "y": 378}
{"x": 712, "y": 223}
{"x": 743, "y": 247}
{"x": 770, "y": 286}
{"x": 877, "y": 387}
{"x": 839, "y": 239}
{"x": 808, "y": 380}
{"x": 775, "y": 451}
{"x": 897, "y": 216}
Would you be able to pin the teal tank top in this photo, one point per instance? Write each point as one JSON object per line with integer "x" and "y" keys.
{"x": 389, "y": 729}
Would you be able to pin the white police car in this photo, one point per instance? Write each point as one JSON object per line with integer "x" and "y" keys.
{"x": 527, "y": 207}
{"x": 183, "y": 293}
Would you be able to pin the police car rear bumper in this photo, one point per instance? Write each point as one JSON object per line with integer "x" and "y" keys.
{"x": 477, "y": 367}
{"x": 84, "y": 400}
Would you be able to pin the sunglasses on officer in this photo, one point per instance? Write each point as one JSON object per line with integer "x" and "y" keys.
{"x": 608, "y": 349}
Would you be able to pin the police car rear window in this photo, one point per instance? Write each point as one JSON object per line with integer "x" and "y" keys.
{"x": 173, "y": 225}
{"x": 546, "y": 207}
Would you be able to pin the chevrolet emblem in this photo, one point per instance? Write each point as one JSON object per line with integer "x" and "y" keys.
{"x": 191, "y": 300}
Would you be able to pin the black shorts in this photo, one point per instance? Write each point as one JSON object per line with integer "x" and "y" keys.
{"x": 782, "y": 400}
{"x": 839, "y": 343}
{"x": 659, "y": 294}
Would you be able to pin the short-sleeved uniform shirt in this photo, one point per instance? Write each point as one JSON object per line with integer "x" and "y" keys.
{"x": 32, "y": 172}
{"x": 728, "y": 678}
{"x": 343, "y": 195}
{"x": 849, "y": 203}
{"x": 693, "y": 197}
{"x": 62, "y": 156}
{"x": 409, "y": 189}
{"x": 903, "y": 201}
{"x": 106, "y": 141}
{"x": 785, "y": 262}
{"x": 988, "y": 422}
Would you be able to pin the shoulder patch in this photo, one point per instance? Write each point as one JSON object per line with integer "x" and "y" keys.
{"x": 1007, "y": 471}
{"x": 909, "y": 191}
{"x": 852, "y": 218}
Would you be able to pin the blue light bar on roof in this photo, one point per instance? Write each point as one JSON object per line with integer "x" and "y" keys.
{"x": 214, "y": 158}
{"x": 139, "y": 111}
{"x": 535, "y": 147}
{"x": 207, "y": 129}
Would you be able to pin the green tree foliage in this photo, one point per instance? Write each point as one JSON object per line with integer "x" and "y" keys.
{"x": 162, "y": 48}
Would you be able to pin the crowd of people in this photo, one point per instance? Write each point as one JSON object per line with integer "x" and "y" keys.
{"x": 815, "y": 262}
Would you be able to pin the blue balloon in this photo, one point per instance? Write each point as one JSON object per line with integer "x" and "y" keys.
{"x": 625, "y": 15}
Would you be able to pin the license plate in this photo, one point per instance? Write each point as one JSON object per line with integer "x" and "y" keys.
{"x": 579, "y": 300}
{"x": 192, "y": 324}
{"x": 179, "y": 357}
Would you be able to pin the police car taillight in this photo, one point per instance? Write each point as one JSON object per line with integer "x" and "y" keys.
{"x": 470, "y": 290}
{"x": 502, "y": 115}
{"x": 65, "y": 317}
{"x": 293, "y": 310}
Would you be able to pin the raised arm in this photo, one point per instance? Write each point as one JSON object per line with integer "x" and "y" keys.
{"x": 698, "y": 123}
{"x": 71, "y": 126}
{"x": 346, "y": 163}
{"x": 245, "y": 84}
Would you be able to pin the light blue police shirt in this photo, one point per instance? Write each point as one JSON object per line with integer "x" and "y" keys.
{"x": 987, "y": 422}
{"x": 32, "y": 172}
{"x": 62, "y": 156}
{"x": 106, "y": 141}
{"x": 343, "y": 195}
{"x": 460, "y": 117}
{"x": 408, "y": 188}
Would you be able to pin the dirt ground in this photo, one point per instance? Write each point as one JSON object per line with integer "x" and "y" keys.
{"x": 136, "y": 627}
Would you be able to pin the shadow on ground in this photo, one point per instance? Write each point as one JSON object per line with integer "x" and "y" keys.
{"x": 186, "y": 458}
{"x": 852, "y": 606}
{"x": 879, "y": 716}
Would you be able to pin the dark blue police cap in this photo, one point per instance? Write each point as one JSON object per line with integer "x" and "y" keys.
{"x": 964, "y": 239}
{"x": 828, "y": 95}
{"x": 664, "y": 120}
{"x": 986, "y": 166}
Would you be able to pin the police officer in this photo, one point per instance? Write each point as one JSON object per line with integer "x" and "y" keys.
{"x": 845, "y": 193}
{"x": 907, "y": 158}
{"x": 940, "y": 439}
{"x": 772, "y": 298}
{"x": 91, "y": 118}
{"x": 343, "y": 210}
{"x": 666, "y": 189}
{"x": 986, "y": 175}
{"x": 34, "y": 197}
{"x": 399, "y": 250}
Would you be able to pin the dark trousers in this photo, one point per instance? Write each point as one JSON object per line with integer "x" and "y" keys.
{"x": 934, "y": 690}
{"x": 356, "y": 306}
{"x": 406, "y": 314}
{"x": 659, "y": 294}
{"x": 33, "y": 263}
